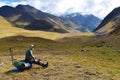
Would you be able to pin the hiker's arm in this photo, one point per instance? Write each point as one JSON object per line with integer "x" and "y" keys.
{"x": 32, "y": 55}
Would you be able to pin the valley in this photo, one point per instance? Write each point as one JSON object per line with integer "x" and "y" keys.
{"x": 72, "y": 54}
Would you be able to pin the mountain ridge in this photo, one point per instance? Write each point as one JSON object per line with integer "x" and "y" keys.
{"x": 89, "y": 21}
{"x": 28, "y": 17}
{"x": 111, "y": 23}
{"x": 25, "y": 15}
{"x": 9, "y": 30}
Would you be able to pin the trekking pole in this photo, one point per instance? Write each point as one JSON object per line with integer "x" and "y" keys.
{"x": 11, "y": 52}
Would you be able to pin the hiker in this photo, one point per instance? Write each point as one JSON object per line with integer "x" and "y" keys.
{"x": 29, "y": 58}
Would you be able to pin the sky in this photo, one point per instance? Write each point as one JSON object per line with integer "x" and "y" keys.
{"x": 99, "y": 8}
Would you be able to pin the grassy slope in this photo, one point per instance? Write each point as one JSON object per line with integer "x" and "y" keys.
{"x": 107, "y": 28}
{"x": 7, "y": 29}
{"x": 85, "y": 58}
{"x": 77, "y": 60}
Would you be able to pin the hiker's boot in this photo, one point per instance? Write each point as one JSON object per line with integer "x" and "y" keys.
{"x": 42, "y": 64}
{"x": 45, "y": 65}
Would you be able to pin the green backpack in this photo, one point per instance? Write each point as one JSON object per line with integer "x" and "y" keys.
{"x": 18, "y": 64}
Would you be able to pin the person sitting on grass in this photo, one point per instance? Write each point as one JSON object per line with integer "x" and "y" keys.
{"x": 29, "y": 58}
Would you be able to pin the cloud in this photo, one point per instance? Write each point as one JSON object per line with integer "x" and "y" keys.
{"x": 16, "y": 3}
{"x": 1, "y": 4}
{"x": 99, "y": 8}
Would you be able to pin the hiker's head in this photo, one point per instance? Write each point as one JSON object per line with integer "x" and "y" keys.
{"x": 31, "y": 46}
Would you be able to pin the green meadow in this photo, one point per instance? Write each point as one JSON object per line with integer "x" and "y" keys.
{"x": 83, "y": 58}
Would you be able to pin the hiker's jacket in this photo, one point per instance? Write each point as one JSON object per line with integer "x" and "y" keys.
{"x": 29, "y": 56}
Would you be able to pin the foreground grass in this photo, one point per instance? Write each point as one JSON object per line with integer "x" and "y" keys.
{"x": 65, "y": 65}
{"x": 76, "y": 60}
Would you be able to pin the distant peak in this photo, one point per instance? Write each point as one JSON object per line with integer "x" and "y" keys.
{"x": 6, "y": 6}
{"x": 23, "y": 6}
{"x": 72, "y": 15}
{"x": 117, "y": 7}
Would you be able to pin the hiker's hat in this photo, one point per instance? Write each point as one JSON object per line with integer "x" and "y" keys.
{"x": 31, "y": 46}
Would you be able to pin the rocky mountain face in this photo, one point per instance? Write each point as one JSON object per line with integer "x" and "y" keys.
{"x": 85, "y": 22}
{"x": 28, "y": 17}
{"x": 110, "y": 24}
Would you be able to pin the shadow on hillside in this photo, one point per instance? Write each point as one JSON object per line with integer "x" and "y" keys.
{"x": 12, "y": 71}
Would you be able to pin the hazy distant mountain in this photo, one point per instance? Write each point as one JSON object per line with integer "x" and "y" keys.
{"x": 28, "y": 17}
{"x": 86, "y": 22}
{"x": 110, "y": 24}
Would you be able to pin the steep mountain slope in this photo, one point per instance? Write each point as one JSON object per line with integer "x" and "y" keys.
{"x": 7, "y": 29}
{"x": 110, "y": 24}
{"x": 28, "y": 17}
{"x": 85, "y": 22}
